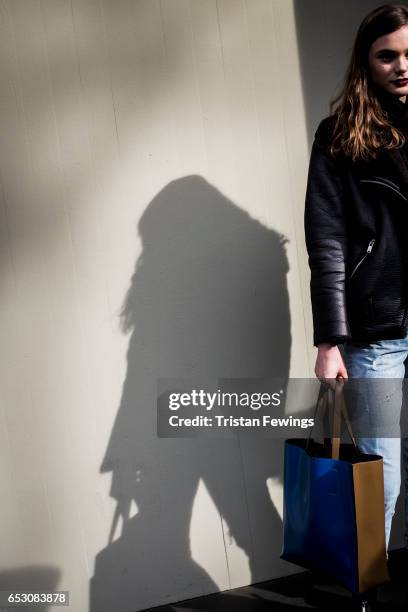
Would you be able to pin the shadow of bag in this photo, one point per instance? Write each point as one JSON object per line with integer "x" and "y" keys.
{"x": 333, "y": 510}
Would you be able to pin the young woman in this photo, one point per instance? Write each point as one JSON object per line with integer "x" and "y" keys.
{"x": 356, "y": 224}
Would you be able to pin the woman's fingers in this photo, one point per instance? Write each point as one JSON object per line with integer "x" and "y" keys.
{"x": 343, "y": 371}
{"x": 330, "y": 365}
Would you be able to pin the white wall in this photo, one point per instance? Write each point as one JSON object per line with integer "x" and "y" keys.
{"x": 153, "y": 161}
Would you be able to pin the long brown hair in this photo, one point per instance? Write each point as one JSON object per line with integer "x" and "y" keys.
{"x": 362, "y": 127}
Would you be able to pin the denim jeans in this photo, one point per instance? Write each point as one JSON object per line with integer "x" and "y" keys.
{"x": 385, "y": 359}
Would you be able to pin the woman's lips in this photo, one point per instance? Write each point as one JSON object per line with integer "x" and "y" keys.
{"x": 401, "y": 82}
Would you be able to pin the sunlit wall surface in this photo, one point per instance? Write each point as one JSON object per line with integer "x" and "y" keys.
{"x": 153, "y": 160}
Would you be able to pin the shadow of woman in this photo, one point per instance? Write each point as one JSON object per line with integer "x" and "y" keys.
{"x": 208, "y": 299}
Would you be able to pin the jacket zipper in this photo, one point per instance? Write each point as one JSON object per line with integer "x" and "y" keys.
{"x": 379, "y": 182}
{"x": 368, "y": 251}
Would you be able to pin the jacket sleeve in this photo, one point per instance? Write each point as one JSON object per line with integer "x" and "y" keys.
{"x": 326, "y": 243}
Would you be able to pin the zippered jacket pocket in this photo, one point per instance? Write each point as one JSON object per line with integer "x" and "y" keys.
{"x": 360, "y": 261}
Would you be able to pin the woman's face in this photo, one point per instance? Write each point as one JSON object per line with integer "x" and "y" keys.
{"x": 388, "y": 62}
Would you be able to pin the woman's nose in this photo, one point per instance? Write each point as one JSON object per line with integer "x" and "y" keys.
{"x": 401, "y": 65}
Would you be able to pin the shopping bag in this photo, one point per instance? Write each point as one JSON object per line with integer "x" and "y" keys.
{"x": 333, "y": 515}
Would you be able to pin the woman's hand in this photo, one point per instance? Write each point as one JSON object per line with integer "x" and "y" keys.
{"x": 329, "y": 365}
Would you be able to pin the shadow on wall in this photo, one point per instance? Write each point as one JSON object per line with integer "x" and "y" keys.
{"x": 208, "y": 298}
{"x": 323, "y": 62}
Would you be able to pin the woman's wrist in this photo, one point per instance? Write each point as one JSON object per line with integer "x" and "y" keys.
{"x": 326, "y": 346}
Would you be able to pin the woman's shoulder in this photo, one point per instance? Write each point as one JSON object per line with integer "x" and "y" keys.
{"x": 325, "y": 131}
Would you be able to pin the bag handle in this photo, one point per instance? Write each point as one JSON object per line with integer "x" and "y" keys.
{"x": 321, "y": 406}
{"x": 339, "y": 411}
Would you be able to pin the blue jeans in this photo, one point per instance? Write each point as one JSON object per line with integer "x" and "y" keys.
{"x": 385, "y": 359}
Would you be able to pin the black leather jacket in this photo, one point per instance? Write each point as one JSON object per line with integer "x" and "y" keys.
{"x": 356, "y": 226}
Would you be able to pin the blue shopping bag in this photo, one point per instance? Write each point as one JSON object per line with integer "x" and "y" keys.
{"x": 333, "y": 514}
